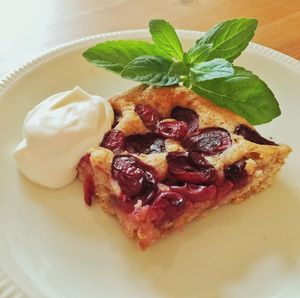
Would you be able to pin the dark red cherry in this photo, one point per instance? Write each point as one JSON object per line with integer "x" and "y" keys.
{"x": 203, "y": 165}
{"x": 236, "y": 172}
{"x": 252, "y": 135}
{"x": 182, "y": 167}
{"x": 170, "y": 181}
{"x": 147, "y": 143}
{"x": 149, "y": 115}
{"x": 128, "y": 174}
{"x": 149, "y": 189}
{"x": 196, "y": 193}
{"x": 173, "y": 129}
{"x": 113, "y": 140}
{"x": 188, "y": 116}
{"x": 170, "y": 203}
{"x": 209, "y": 141}
{"x": 88, "y": 190}
{"x": 198, "y": 159}
{"x": 134, "y": 178}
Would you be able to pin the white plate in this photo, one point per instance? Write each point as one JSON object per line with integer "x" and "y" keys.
{"x": 52, "y": 245}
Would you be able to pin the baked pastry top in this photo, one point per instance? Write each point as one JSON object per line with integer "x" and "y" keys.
{"x": 172, "y": 156}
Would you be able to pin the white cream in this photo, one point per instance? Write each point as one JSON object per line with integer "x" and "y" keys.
{"x": 57, "y": 133}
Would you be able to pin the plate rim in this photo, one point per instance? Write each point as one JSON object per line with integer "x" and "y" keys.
{"x": 16, "y": 73}
{"x": 8, "y": 286}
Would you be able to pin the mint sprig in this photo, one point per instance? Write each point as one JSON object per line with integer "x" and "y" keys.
{"x": 229, "y": 38}
{"x": 206, "y": 67}
{"x": 212, "y": 69}
{"x": 151, "y": 70}
{"x": 116, "y": 54}
{"x": 198, "y": 53}
{"x": 165, "y": 38}
{"x": 257, "y": 103}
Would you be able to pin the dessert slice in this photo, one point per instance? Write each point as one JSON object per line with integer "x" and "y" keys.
{"x": 172, "y": 156}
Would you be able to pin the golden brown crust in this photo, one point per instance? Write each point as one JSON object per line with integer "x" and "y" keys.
{"x": 262, "y": 161}
{"x": 164, "y": 100}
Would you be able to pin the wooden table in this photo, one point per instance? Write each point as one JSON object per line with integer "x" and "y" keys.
{"x": 27, "y": 28}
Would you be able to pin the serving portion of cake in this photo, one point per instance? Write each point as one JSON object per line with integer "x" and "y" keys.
{"x": 170, "y": 157}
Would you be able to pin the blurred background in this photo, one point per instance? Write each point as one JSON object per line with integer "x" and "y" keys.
{"x": 30, "y": 27}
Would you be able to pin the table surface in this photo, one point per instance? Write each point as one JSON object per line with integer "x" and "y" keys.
{"x": 28, "y": 28}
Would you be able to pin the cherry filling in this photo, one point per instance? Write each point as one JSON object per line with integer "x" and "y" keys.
{"x": 113, "y": 140}
{"x": 188, "y": 116}
{"x": 88, "y": 181}
{"x": 236, "y": 173}
{"x": 223, "y": 190}
{"x": 252, "y": 135}
{"x": 147, "y": 144}
{"x": 190, "y": 167}
{"x": 196, "y": 193}
{"x": 149, "y": 116}
{"x": 173, "y": 129}
{"x": 168, "y": 205}
{"x": 191, "y": 177}
{"x": 125, "y": 203}
{"x": 209, "y": 141}
{"x": 135, "y": 179}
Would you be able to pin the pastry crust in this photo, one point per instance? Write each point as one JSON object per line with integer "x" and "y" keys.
{"x": 262, "y": 161}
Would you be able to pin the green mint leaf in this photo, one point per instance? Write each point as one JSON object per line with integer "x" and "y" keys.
{"x": 229, "y": 38}
{"x": 114, "y": 55}
{"x": 243, "y": 93}
{"x": 150, "y": 70}
{"x": 209, "y": 70}
{"x": 198, "y": 53}
{"x": 179, "y": 69}
{"x": 166, "y": 39}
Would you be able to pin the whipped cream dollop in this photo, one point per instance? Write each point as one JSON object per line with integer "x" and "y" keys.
{"x": 57, "y": 133}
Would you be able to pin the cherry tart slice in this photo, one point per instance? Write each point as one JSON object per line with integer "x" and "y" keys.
{"x": 172, "y": 156}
